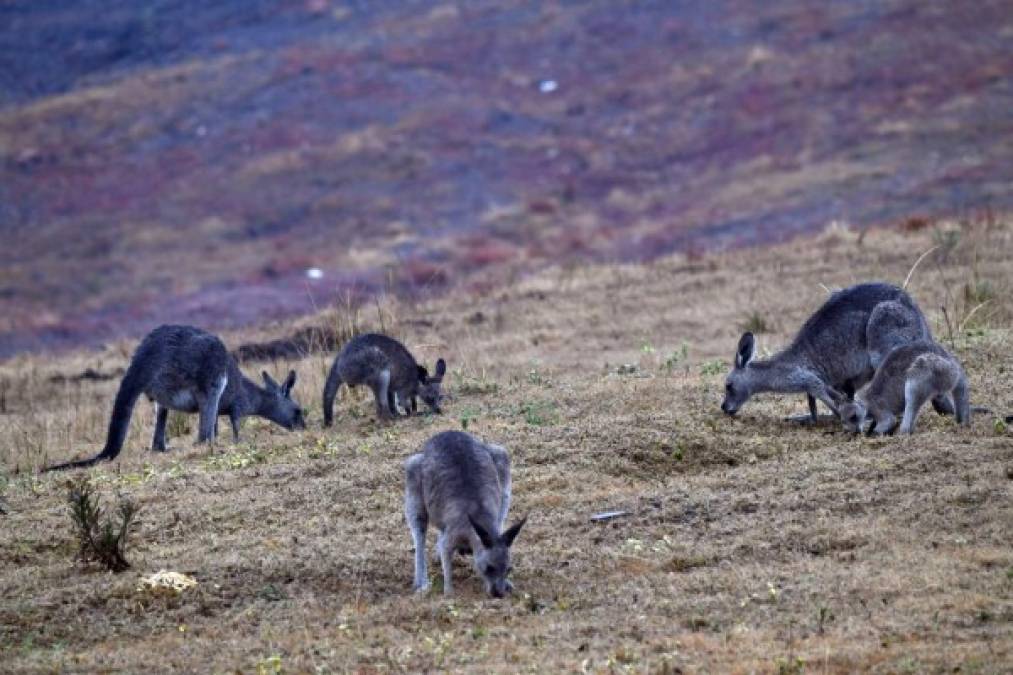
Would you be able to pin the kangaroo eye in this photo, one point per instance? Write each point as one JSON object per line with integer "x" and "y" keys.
{"x": 729, "y": 389}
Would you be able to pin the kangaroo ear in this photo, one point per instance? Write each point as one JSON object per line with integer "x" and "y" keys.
{"x": 441, "y": 368}
{"x": 837, "y": 397}
{"x": 271, "y": 384}
{"x": 423, "y": 374}
{"x": 511, "y": 534}
{"x": 483, "y": 534}
{"x": 746, "y": 350}
{"x": 289, "y": 382}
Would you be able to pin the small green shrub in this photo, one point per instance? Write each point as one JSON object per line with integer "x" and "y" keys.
{"x": 101, "y": 540}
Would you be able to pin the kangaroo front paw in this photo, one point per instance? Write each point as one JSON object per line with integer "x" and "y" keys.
{"x": 422, "y": 589}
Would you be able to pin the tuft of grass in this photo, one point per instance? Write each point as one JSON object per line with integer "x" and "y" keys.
{"x": 712, "y": 367}
{"x": 538, "y": 413}
{"x": 755, "y": 323}
{"x": 101, "y": 540}
{"x": 177, "y": 425}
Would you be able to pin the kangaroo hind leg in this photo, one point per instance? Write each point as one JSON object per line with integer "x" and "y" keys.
{"x": 208, "y": 409}
{"x": 916, "y": 393}
{"x": 418, "y": 520}
{"x": 161, "y": 418}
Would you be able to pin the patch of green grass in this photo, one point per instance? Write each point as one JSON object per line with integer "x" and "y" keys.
{"x": 538, "y": 413}
{"x": 466, "y": 416}
{"x": 237, "y": 460}
{"x": 712, "y": 367}
{"x": 475, "y": 386}
{"x": 675, "y": 358}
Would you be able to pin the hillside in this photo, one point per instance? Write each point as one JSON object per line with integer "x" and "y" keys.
{"x": 751, "y": 544}
{"x": 189, "y": 161}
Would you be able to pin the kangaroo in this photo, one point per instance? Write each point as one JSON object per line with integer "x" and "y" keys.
{"x": 892, "y": 324}
{"x": 187, "y": 369}
{"x": 388, "y": 368}
{"x": 832, "y": 351}
{"x": 463, "y": 486}
{"x": 910, "y": 375}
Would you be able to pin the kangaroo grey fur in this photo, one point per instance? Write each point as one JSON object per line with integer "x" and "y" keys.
{"x": 187, "y": 369}
{"x": 910, "y": 375}
{"x": 836, "y": 350}
{"x": 388, "y": 369}
{"x": 463, "y": 486}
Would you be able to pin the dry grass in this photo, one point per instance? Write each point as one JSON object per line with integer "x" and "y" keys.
{"x": 751, "y": 544}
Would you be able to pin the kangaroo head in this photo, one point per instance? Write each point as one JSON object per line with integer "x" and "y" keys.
{"x": 854, "y": 413}
{"x": 739, "y": 383}
{"x": 429, "y": 387}
{"x": 492, "y": 560}
{"x": 277, "y": 404}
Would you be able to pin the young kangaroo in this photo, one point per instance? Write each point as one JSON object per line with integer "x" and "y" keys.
{"x": 910, "y": 375}
{"x": 831, "y": 352}
{"x": 463, "y": 486}
{"x": 388, "y": 368}
{"x": 187, "y": 369}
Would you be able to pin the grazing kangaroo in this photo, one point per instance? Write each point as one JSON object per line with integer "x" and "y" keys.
{"x": 187, "y": 369}
{"x": 835, "y": 349}
{"x": 910, "y": 375}
{"x": 463, "y": 486}
{"x": 388, "y": 368}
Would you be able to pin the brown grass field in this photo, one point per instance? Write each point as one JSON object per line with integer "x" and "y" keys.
{"x": 751, "y": 545}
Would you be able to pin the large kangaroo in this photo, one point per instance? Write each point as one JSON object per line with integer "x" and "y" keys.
{"x": 187, "y": 369}
{"x": 836, "y": 349}
{"x": 388, "y": 369}
{"x": 463, "y": 486}
{"x": 910, "y": 375}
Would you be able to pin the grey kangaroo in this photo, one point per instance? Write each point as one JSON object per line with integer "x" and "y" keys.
{"x": 187, "y": 369}
{"x": 463, "y": 486}
{"x": 836, "y": 350}
{"x": 910, "y": 375}
{"x": 388, "y": 369}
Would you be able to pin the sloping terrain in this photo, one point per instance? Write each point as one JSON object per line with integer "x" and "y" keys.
{"x": 751, "y": 544}
{"x": 188, "y": 161}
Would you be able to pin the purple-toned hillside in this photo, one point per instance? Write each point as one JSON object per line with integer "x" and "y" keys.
{"x": 189, "y": 161}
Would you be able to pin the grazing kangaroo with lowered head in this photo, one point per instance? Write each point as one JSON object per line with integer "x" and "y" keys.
{"x": 910, "y": 375}
{"x": 833, "y": 351}
{"x": 463, "y": 486}
{"x": 389, "y": 369}
{"x": 187, "y": 369}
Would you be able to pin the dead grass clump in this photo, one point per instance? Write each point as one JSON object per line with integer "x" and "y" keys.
{"x": 104, "y": 541}
{"x": 755, "y": 323}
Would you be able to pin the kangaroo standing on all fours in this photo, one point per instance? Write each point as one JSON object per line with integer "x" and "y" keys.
{"x": 187, "y": 369}
{"x": 463, "y": 486}
{"x": 836, "y": 349}
{"x": 910, "y": 375}
{"x": 388, "y": 369}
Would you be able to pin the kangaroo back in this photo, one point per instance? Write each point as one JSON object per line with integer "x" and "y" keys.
{"x": 132, "y": 385}
{"x": 894, "y": 323}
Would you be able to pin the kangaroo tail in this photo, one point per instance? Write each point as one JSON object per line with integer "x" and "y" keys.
{"x": 330, "y": 391}
{"x": 130, "y": 388}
